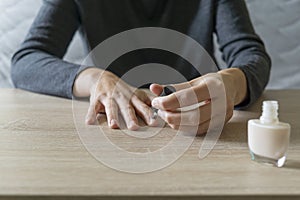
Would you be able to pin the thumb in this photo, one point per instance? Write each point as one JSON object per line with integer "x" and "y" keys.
{"x": 156, "y": 89}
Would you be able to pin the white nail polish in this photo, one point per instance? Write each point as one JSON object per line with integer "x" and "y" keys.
{"x": 268, "y": 139}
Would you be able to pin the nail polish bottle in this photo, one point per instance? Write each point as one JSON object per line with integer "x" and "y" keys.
{"x": 268, "y": 139}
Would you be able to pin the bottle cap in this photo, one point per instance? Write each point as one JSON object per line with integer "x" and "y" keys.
{"x": 269, "y": 112}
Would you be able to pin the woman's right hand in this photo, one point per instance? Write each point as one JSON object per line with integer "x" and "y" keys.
{"x": 110, "y": 94}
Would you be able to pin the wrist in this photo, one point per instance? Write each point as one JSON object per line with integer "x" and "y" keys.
{"x": 85, "y": 81}
{"x": 236, "y": 83}
{"x": 93, "y": 77}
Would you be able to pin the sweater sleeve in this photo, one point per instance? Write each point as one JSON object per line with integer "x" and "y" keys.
{"x": 38, "y": 66}
{"x": 241, "y": 47}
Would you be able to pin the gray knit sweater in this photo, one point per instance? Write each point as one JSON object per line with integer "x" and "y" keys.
{"x": 39, "y": 66}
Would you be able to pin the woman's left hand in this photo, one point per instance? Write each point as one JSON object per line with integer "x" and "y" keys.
{"x": 224, "y": 90}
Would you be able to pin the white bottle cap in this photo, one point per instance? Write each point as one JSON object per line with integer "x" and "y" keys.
{"x": 269, "y": 112}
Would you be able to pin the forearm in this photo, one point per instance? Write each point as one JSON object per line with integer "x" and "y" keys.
{"x": 242, "y": 48}
{"x": 38, "y": 65}
{"x": 43, "y": 73}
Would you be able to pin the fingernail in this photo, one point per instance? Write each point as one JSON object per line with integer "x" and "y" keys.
{"x": 133, "y": 126}
{"x": 98, "y": 116}
{"x": 154, "y": 103}
{"x": 153, "y": 122}
{"x": 153, "y": 115}
{"x": 89, "y": 121}
{"x": 113, "y": 122}
{"x": 160, "y": 113}
{"x": 207, "y": 101}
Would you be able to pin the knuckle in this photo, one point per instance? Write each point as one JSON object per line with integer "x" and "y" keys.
{"x": 209, "y": 81}
{"x": 219, "y": 82}
{"x": 118, "y": 95}
{"x": 214, "y": 83}
{"x": 125, "y": 108}
{"x": 100, "y": 96}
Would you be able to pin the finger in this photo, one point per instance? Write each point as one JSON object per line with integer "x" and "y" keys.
{"x": 144, "y": 111}
{"x": 144, "y": 96}
{"x": 213, "y": 123}
{"x": 101, "y": 118}
{"x": 94, "y": 108}
{"x": 128, "y": 113}
{"x": 111, "y": 110}
{"x": 182, "y": 98}
{"x": 190, "y": 118}
{"x": 156, "y": 89}
{"x": 198, "y": 130}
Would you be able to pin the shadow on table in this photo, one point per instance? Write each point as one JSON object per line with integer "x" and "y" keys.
{"x": 234, "y": 132}
{"x": 236, "y": 129}
{"x": 292, "y": 164}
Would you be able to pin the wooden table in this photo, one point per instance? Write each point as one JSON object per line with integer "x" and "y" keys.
{"x": 41, "y": 156}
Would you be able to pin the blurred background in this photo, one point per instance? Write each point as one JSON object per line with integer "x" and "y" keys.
{"x": 276, "y": 21}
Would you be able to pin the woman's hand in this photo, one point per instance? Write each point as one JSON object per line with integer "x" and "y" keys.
{"x": 226, "y": 89}
{"x": 109, "y": 94}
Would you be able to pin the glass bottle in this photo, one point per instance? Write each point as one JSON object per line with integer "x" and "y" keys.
{"x": 268, "y": 138}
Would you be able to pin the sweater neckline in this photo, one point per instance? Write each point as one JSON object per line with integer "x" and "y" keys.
{"x": 150, "y": 9}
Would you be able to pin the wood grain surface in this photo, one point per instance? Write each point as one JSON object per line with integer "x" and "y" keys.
{"x": 41, "y": 156}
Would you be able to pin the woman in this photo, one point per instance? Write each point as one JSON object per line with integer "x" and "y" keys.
{"x": 38, "y": 64}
